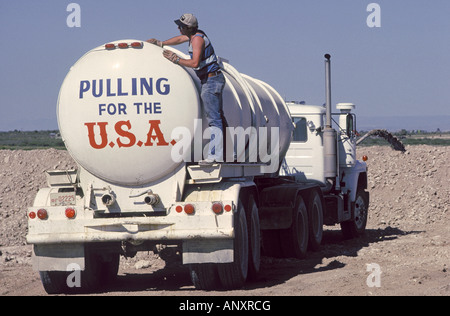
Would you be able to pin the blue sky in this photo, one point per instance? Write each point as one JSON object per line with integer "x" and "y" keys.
{"x": 401, "y": 68}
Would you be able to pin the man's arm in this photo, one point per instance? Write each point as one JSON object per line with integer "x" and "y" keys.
{"x": 180, "y": 39}
{"x": 173, "y": 41}
{"x": 198, "y": 46}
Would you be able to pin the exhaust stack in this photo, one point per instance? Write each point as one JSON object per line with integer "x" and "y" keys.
{"x": 329, "y": 134}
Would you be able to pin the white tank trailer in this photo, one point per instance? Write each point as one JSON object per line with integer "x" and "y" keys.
{"x": 133, "y": 122}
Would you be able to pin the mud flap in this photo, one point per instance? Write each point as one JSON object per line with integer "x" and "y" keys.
{"x": 58, "y": 257}
{"x": 208, "y": 251}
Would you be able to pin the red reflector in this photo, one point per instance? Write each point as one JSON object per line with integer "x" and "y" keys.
{"x": 136, "y": 44}
{"x": 123, "y": 45}
{"x": 217, "y": 208}
{"x": 179, "y": 209}
{"x": 32, "y": 215}
{"x": 228, "y": 208}
{"x": 110, "y": 46}
{"x": 70, "y": 213}
{"x": 42, "y": 214}
{"x": 189, "y": 209}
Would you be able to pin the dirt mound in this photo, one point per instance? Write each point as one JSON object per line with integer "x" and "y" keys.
{"x": 22, "y": 174}
{"x": 409, "y": 189}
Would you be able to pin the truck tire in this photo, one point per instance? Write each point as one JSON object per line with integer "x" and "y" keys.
{"x": 254, "y": 238}
{"x": 54, "y": 282}
{"x": 100, "y": 270}
{"x": 294, "y": 240}
{"x": 233, "y": 275}
{"x": 204, "y": 276}
{"x": 315, "y": 220}
{"x": 357, "y": 226}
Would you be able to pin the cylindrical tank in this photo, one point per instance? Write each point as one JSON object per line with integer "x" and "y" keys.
{"x": 125, "y": 113}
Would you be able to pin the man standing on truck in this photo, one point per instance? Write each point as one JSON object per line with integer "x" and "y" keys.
{"x": 205, "y": 63}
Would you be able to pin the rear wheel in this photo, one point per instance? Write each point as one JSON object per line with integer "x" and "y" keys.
{"x": 204, "y": 276}
{"x": 315, "y": 219}
{"x": 254, "y": 238}
{"x": 294, "y": 240}
{"x": 233, "y": 275}
{"x": 100, "y": 270}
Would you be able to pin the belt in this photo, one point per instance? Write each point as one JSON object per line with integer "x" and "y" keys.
{"x": 213, "y": 74}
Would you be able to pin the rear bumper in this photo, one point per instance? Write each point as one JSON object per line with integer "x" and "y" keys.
{"x": 84, "y": 228}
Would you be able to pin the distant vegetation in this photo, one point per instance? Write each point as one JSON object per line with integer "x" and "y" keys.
{"x": 31, "y": 140}
{"x": 52, "y": 139}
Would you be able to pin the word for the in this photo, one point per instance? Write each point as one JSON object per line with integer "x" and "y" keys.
{"x": 121, "y": 108}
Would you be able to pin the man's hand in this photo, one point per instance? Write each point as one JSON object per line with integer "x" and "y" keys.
{"x": 154, "y": 41}
{"x": 171, "y": 56}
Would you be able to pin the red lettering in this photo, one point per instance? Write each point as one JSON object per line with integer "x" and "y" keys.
{"x": 155, "y": 134}
{"x": 126, "y": 134}
{"x": 103, "y": 135}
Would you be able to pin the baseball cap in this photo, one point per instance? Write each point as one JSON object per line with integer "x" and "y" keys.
{"x": 187, "y": 19}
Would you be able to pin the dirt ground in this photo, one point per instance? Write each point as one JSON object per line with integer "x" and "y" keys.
{"x": 407, "y": 237}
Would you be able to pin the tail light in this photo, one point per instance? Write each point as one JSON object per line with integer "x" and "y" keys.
{"x": 189, "y": 209}
{"x": 32, "y": 215}
{"x": 42, "y": 214}
{"x": 122, "y": 45}
{"x": 110, "y": 46}
{"x": 217, "y": 208}
{"x": 70, "y": 213}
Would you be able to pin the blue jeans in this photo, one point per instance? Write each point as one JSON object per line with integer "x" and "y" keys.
{"x": 211, "y": 95}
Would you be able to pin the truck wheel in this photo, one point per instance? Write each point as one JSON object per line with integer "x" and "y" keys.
{"x": 204, "y": 276}
{"x": 254, "y": 239}
{"x": 233, "y": 275}
{"x": 357, "y": 226}
{"x": 315, "y": 219}
{"x": 294, "y": 240}
{"x": 54, "y": 282}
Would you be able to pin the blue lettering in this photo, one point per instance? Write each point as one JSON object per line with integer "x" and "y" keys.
{"x": 147, "y": 85}
{"x": 84, "y": 87}
{"x": 144, "y": 86}
{"x": 122, "y": 109}
{"x": 108, "y": 89}
{"x": 138, "y": 107}
{"x": 96, "y": 93}
{"x": 157, "y": 108}
{"x": 119, "y": 88}
{"x": 134, "y": 86}
{"x": 166, "y": 87}
{"x": 101, "y": 108}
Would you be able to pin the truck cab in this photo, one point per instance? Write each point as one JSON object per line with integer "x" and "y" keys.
{"x": 305, "y": 161}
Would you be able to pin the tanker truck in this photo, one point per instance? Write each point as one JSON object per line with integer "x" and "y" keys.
{"x": 133, "y": 123}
